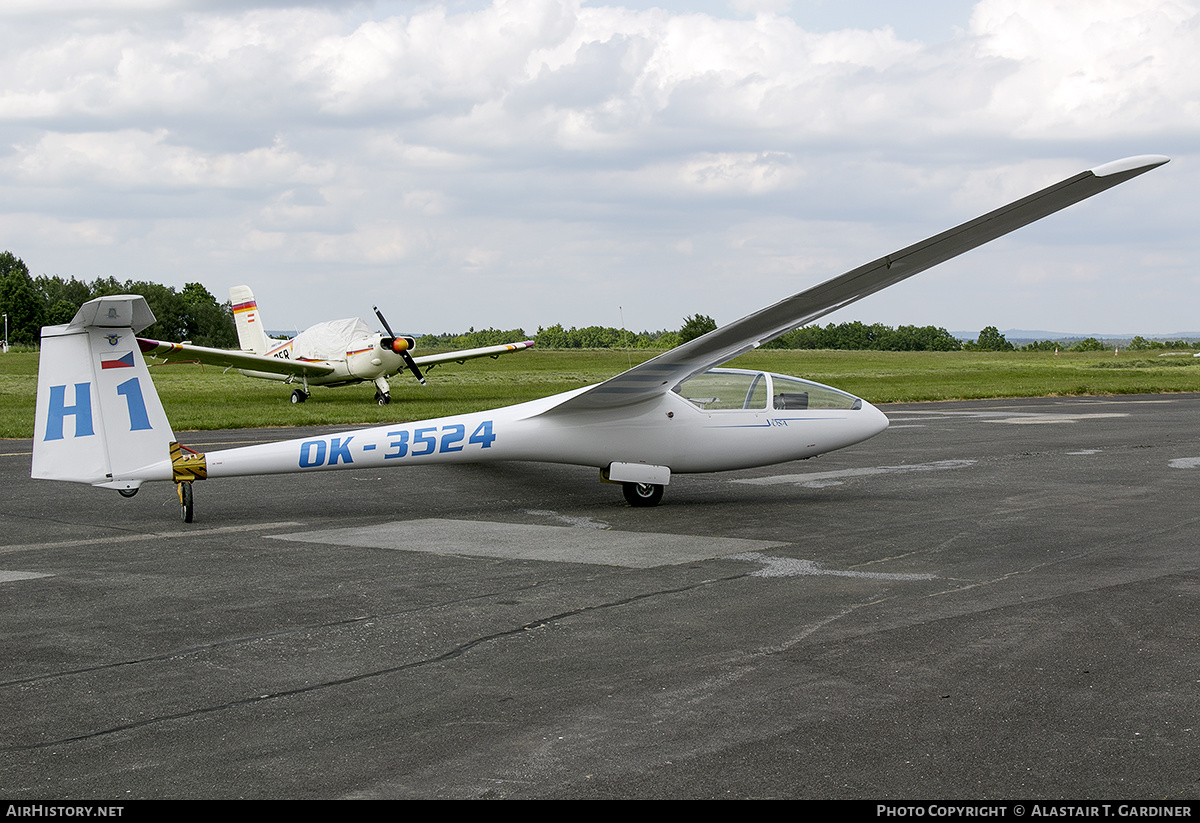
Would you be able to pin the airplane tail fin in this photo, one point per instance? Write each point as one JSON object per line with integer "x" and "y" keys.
{"x": 99, "y": 420}
{"x": 251, "y": 334}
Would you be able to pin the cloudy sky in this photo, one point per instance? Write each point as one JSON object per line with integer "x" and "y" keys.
{"x": 530, "y": 162}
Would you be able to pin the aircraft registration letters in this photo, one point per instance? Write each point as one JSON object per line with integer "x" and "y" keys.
{"x": 417, "y": 442}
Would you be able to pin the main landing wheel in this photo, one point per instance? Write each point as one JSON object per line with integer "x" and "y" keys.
{"x": 382, "y": 399}
{"x": 185, "y": 501}
{"x": 299, "y": 396}
{"x": 127, "y": 492}
{"x": 642, "y": 494}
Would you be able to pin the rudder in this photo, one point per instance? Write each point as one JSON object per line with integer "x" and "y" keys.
{"x": 251, "y": 336}
{"x": 99, "y": 419}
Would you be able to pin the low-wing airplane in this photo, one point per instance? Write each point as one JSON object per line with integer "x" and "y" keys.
{"x": 334, "y": 353}
{"x": 99, "y": 419}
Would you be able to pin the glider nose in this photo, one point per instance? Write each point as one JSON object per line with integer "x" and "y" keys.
{"x": 873, "y": 420}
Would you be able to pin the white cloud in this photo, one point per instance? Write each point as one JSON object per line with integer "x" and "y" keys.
{"x": 545, "y": 157}
{"x": 130, "y": 159}
{"x": 1119, "y": 67}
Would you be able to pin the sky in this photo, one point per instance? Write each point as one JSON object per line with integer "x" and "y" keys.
{"x": 521, "y": 163}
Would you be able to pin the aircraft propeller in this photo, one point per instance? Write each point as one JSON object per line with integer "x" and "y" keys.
{"x": 400, "y": 346}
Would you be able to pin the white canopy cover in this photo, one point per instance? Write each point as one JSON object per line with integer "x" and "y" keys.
{"x": 331, "y": 340}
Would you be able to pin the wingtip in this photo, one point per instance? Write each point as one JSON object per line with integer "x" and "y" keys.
{"x": 1142, "y": 162}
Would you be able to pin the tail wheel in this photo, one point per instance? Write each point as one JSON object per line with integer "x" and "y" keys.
{"x": 642, "y": 494}
{"x": 187, "y": 509}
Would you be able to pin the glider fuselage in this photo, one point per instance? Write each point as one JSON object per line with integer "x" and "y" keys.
{"x": 670, "y": 431}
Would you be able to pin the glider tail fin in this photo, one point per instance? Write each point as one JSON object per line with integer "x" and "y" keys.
{"x": 251, "y": 335}
{"x": 99, "y": 420}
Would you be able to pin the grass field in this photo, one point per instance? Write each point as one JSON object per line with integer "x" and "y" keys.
{"x": 206, "y": 398}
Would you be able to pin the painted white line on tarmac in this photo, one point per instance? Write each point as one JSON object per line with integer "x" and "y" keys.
{"x": 9, "y": 577}
{"x": 1010, "y": 417}
{"x": 817, "y": 480}
{"x": 129, "y": 538}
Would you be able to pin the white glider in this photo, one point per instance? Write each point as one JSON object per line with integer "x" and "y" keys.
{"x": 99, "y": 420}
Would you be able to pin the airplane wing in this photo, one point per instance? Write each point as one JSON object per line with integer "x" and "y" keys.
{"x": 666, "y": 371}
{"x": 431, "y": 360}
{"x": 187, "y": 353}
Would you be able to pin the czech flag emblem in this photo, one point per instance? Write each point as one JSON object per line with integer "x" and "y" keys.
{"x": 123, "y": 361}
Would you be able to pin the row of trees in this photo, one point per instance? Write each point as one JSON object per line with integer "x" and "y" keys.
{"x": 589, "y": 337}
{"x": 844, "y": 336}
{"x": 30, "y": 303}
{"x": 853, "y": 335}
{"x": 874, "y": 337}
{"x": 194, "y": 314}
{"x": 1140, "y": 343}
{"x": 992, "y": 340}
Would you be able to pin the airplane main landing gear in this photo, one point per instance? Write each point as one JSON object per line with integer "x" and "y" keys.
{"x": 187, "y": 509}
{"x": 127, "y": 492}
{"x": 382, "y": 398}
{"x": 642, "y": 494}
{"x": 299, "y": 396}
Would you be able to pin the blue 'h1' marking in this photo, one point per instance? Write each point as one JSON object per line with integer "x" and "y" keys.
{"x": 131, "y": 390}
{"x": 82, "y": 411}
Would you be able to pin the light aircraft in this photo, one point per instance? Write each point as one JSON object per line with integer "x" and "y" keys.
{"x": 334, "y": 353}
{"x": 99, "y": 419}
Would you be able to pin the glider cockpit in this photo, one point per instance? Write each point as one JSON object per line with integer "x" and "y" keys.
{"x": 749, "y": 390}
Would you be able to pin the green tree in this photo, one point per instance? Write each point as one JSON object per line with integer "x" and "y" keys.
{"x": 554, "y": 337}
{"x": 61, "y": 312}
{"x": 206, "y": 322}
{"x": 55, "y": 290}
{"x": 1089, "y": 344}
{"x": 928, "y": 338}
{"x": 696, "y": 325}
{"x": 990, "y": 339}
{"x": 193, "y": 314}
{"x": 854, "y": 335}
{"x": 170, "y": 311}
{"x": 668, "y": 340}
{"x": 20, "y": 301}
